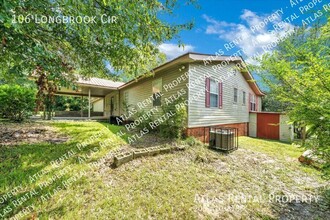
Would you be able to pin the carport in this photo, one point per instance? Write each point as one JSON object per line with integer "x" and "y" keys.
{"x": 95, "y": 89}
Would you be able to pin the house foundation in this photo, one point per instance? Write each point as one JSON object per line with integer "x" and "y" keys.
{"x": 202, "y": 133}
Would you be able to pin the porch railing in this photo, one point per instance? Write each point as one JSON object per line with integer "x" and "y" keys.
{"x": 77, "y": 114}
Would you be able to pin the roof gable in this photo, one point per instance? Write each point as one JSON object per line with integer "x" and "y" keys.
{"x": 206, "y": 58}
{"x": 185, "y": 58}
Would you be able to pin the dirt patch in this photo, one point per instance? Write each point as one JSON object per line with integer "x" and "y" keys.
{"x": 243, "y": 184}
{"x": 256, "y": 181}
{"x": 151, "y": 140}
{"x": 30, "y": 133}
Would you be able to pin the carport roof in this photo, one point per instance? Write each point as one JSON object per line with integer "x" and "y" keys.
{"x": 98, "y": 82}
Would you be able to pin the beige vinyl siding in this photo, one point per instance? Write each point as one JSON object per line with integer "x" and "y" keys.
{"x": 259, "y": 104}
{"x": 199, "y": 115}
{"x": 138, "y": 92}
{"x": 98, "y": 106}
{"x": 253, "y": 125}
{"x": 286, "y": 129}
{"x": 107, "y": 105}
{"x": 114, "y": 94}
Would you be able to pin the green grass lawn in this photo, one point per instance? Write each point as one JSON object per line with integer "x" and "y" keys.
{"x": 52, "y": 163}
{"x": 194, "y": 184}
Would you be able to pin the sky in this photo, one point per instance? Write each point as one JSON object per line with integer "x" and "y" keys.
{"x": 240, "y": 27}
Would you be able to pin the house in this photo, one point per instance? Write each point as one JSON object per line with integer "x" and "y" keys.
{"x": 218, "y": 91}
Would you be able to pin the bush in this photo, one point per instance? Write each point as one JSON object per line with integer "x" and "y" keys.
{"x": 144, "y": 123}
{"x": 16, "y": 102}
{"x": 192, "y": 141}
{"x": 175, "y": 126}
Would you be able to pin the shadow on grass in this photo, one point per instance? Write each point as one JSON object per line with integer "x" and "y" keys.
{"x": 221, "y": 152}
{"x": 120, "y": 131}
{"x": 300, "y": 207}
{"x": 19, "y": 163}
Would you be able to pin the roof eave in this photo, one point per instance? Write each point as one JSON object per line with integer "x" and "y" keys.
{"x": 97, "y": 86}
{"x": 183, "y": 58}
{"x": 251, "y": 80}
{"x": 193, "y": 57}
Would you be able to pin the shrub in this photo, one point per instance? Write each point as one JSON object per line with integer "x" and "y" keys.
{"x": 16, "y": 102}
{"x": 144, "y": 123}
{"x": 175, "y": 126}
{"x": 192, "y": 141}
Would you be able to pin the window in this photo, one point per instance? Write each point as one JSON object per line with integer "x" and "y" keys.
{"x": 253, "y": 103}
{"x": 156, "y": 92}
{"x": 244, "y": 94}
{"x": 235, "y": 95}
{"x": 214, "y": 93}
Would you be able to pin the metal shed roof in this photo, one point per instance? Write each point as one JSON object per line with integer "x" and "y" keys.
{"x": 93, "y": 81}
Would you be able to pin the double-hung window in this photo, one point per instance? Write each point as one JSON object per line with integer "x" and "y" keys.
{"x": 235, "y": 95}
{"x": 253, "y": 106}
{"x": 214, "y": 93}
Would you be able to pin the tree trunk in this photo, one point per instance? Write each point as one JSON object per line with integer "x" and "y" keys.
{"x": 49, "y": 115}
{"x": 49, "y": 111}
{"x": 303, "y": 132}
{"x": 44, "y": 113}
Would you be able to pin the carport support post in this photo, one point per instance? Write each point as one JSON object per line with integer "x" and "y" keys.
{"x": 81, "y": 106}
{"x": 89, "y": 103}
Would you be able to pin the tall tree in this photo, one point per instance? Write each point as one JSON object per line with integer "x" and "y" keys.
{"x": 55, "y": 40}
{"x": 270, "y": 103}
{"x": 298, "y": 74}
{"x": 79, "y": 36}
